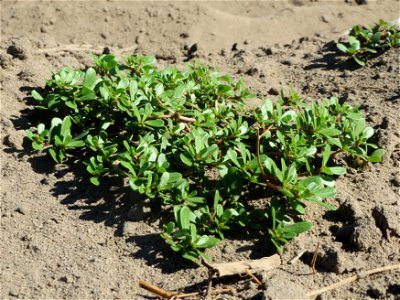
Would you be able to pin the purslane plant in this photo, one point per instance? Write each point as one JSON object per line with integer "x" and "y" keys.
{"x": 186, "y": 140}
{"x": 363, "y": 42}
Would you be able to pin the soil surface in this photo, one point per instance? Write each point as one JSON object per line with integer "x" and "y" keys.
{"x": 64, "y": 238}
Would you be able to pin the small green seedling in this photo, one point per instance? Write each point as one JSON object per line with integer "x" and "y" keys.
{"x": 363, "y": 42}
{"x": 187, "y": 141}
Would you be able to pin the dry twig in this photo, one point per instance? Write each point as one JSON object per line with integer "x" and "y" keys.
{"x": 352, "y": 279}
{"x": 176, "y": 295}
{"x": 297, "y": 257}
{"x": 314, "y": 259}
{"x": 254, "y": 278}
{"x": 156, "y": 290}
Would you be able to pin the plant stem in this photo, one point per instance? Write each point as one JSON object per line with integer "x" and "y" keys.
{"x": 264, "y": 176}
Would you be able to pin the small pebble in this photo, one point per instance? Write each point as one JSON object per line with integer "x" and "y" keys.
{"x": 20, "y": 210}
{"x": 13, "y": 293}
{"x": 66, "y": 279}
{"x": 20, "y": 48}
{"x": 192, "y": 49}
{"x": 5, "y": 60}
{"x": 325, "y": 19}
{"x": 267, "y": 51}
{"x": 251, "y": 71}
{"x": 273, "y": 91}
{"x": 15, "y": 140}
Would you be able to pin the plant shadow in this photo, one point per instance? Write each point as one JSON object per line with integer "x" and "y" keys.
{"x": 333, "y": 59}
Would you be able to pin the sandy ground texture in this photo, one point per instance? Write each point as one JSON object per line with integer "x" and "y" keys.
{"x": 64, "y": 238}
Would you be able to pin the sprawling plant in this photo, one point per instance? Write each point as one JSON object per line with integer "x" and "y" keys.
{"x": 186, "y": 140}
{"x": 363, "y": 42}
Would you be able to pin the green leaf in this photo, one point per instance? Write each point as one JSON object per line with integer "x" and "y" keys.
{"x": 310, "y": 151}
{"x": 41, "y": 128}
{"x": 286, "y": 192}
{"x": 359, "y": 61}
{"x": 88, "y": 97}
{"x": 335, "y": 141}
{"x": 207, "y": 241}
{"x": 90, "y": 80}
{"x": 37, "y": 146}
{"x": 333, "y": 170}
{"x": 226, "y": 90}
{"x": 217, "y": 199}
{"x": 329, "y": 132}
{"x": 311, "y": 183}
{"x": 195, "y": 200}
{"x": 36, "y": 95}
{"x": 95, "y": 180}
{"x": 159, "y": 89}
{"x": 210, "y": 151}
{"x": 57, "y": 154}
{"x": 29, "y": 134}
{"x": 219, "y": 210}
{"x": 123, "y": 84}
{"x": 288, "y": 116}
{"x": 296, "y": 205}
{"x": 291, "y": 176}
{"x": 326, "y": 155}
{"x": 66, "y": 127}
{"x": 184, "y": 217}
{"x": 169, "y": 227}
{"x": 191, "y": 255}
{"x": 359, "y": 127}
{"x": 297, "y": 228}
{"x": 133, "y": 89}
{"x": 368, "y": 132}
{"x": 338, "y": 170}
{"x": 376, "y": 37}
{"x": 193, "y": 232}
{"x": 75, "y": 144}
{"x": 232, "y": 156}
{"x": 155, "y": 123}
{"x": 185, "y": 160}
{"x": 376, "y": 156}
{"x": 326, "y": 192}
{"x": 228, "y": 214}
{"x": 105, "y": 92}
{"x": 342, "y": 47}
{"x": 354, "y": 43}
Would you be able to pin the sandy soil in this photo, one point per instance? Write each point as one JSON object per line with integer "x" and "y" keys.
{"x": 63, "y": 238}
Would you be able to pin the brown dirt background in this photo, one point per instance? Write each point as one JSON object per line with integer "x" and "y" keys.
{"x": 63, "y": 238}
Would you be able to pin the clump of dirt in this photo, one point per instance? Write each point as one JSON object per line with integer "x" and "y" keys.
{"x": 63, "y": 238}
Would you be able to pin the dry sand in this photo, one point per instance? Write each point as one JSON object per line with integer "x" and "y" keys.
{"x": 63, "y": 238}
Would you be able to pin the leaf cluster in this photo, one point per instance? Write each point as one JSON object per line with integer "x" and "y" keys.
{"x": 186, "y": 140}
{"x": 363, "y": 42}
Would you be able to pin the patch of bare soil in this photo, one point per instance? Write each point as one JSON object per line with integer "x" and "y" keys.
{"x": 64, "y": 238}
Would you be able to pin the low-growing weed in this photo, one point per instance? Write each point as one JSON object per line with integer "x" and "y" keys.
{"x": 186, "y": 140}
{"x": 363, "y": 42}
